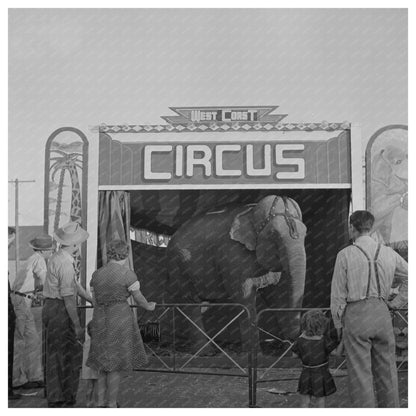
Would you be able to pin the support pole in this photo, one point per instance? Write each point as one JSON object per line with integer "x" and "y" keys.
{"x": 252, "y": 359}
{"x": 357, "y": 173}
{"x": 16, "y": 219}
{"x": 16, "y": 223}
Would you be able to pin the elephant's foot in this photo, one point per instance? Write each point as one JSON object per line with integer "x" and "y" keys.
{"x": 190, "y": 347}
{"x": 207, "y": 351}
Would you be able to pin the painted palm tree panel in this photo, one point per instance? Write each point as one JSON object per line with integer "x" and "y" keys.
{"x": 66, "y": 164}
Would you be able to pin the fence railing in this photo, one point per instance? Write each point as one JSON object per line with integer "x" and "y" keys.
{"x": 249, "y": 369}
{"x": 400, "y": 314}
{"x": 176, "y": 363}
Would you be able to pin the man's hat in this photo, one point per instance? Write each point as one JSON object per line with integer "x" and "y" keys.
{"x": 42, "y": 242}
{"x": 71, "y": 233}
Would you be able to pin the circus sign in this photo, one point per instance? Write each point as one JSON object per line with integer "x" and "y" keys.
{"x": 318, "y": 160}
{"x": 224, "y": 114}
{"x": 225, "y": 146}
{"x": 224, "y": 160}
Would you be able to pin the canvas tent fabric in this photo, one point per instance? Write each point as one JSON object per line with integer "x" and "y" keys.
{"x": 113, "y": 222}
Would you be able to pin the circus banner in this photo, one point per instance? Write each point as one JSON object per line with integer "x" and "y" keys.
{"x": 387, "y": 183}
{"x": 225, "y": 146}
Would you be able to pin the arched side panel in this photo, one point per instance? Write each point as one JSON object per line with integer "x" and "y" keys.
{"x": 66, "y": 175}
{"x": 386, "y": 160}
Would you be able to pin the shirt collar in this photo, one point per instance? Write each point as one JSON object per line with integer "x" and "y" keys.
{"x": 364, "y": 239}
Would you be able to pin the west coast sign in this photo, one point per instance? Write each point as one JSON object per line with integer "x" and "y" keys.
{"x": 224, "y": 114}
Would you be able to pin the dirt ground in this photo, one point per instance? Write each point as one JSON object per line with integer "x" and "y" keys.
{"x": 161, "y": 390}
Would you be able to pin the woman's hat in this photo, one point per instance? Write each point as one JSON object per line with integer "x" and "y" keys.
{"x": 42, "y": 242}
{"x": 70, "y": 234}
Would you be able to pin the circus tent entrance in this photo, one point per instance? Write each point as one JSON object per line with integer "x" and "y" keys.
{"x": 155, "y": 215}
{"x": 152, "y": 179}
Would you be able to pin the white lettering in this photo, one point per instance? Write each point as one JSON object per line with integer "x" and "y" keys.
{"x": 251, "y": 115}
{"x": 148, "y": 173}
{"x": 204, "y": 116}
{"x": 192, "y": 161}
{"x": 239, "y": 115}
{"x": 267, "y": 170}
{"x": 280, "y": 160}
{"x": 179, "y": 161}
{"x": 219, "y": 150}
{"x": 195, "y": 115}
{"x": 183, "y": 159}
{"x": 224, "y": 115}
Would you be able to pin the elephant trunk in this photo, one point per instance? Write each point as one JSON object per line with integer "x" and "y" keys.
{"x": 297, "y": 272}
{"x": 294, "y": 286}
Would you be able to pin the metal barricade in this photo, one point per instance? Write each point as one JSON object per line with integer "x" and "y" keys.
{"x": 400, "y": 313}
{"x": 251, "y": 371}
{"x": 177, "y": 366}
{"x": 401, "y": 327}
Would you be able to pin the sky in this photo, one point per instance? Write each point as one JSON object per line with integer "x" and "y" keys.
{"x": 84, "y": 67}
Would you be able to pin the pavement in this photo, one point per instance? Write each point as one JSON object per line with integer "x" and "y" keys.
{"x": 143, "y": 389}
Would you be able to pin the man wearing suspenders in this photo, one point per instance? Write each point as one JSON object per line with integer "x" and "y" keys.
{"x": 363, "y": 276}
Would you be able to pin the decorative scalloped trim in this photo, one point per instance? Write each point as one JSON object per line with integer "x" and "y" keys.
{"x": 223, "y": 127}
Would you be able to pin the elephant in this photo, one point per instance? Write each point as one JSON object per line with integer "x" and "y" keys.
{"x": 222, "y": 256}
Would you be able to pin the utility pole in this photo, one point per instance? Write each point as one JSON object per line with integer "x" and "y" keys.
{"x": 16, "y": 218}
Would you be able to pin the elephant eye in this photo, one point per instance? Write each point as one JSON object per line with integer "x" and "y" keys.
{"x": 398, "y": 161}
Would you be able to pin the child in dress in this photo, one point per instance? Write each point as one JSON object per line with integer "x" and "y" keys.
{"x": 88, "y": 374}
{"x": 313, "y": 347}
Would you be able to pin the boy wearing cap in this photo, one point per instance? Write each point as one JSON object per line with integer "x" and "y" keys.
{"x": 63, "y": 332}
{"x": 27, "y": 371}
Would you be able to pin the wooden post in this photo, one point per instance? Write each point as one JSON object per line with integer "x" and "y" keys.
{"x": 16, "y": 223}
{"x": 16, "y": 219}
{"x": 357, "y": 180}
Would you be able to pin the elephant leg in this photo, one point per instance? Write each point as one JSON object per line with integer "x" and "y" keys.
{"x": 188, "y": 323}
{"x": 191, "y": 330}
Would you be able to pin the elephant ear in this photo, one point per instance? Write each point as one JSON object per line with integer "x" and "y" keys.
{"x": 242, "y": 229}
{"x": 381, "y": 170}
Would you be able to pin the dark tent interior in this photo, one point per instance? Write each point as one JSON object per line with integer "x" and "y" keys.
{"x": 325, "y": 213}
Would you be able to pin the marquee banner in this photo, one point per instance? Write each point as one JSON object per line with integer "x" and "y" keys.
{"x": 226, "y": 146}
{"x": 272, "y": 159}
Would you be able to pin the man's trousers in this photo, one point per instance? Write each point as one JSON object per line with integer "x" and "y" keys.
{"x": 370, "y": 350}
{"x": 63, "y": 354}
{"x": 27, "y": 346}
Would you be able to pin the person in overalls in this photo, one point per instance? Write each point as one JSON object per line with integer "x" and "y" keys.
{"x": 361, "y": 284}
{"x": 28, "y": 373}
{"x": 63, "y": 332}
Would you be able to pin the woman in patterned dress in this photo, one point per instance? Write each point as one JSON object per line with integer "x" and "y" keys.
{"x": 116, "y": 343}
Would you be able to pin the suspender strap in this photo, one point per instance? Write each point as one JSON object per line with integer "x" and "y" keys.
{"x": 376, "y": 270}
{"x": 369, "y": 270}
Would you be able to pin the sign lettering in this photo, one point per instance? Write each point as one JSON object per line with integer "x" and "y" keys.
{"x": 217, "y": 161}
